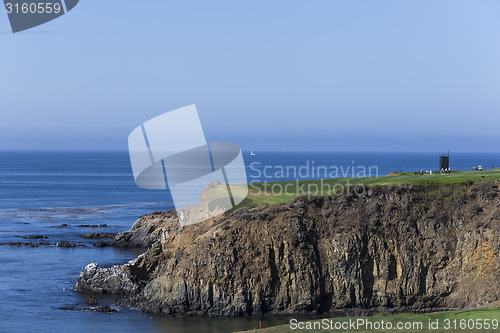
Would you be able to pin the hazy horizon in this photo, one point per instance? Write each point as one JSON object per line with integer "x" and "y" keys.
{"x": 325, "y": 76}
{"x": 262, "y": 150}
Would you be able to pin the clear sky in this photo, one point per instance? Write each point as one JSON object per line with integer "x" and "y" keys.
{"x": 266, "y": 74}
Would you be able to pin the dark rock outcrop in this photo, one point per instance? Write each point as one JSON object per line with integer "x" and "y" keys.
{"x": 91, "y": 300}
{"x": 147, "y": 230}
{"x": 43, "y": 243}
{"x": 116, "y": 279}
{"x": 91, "y": 226}
{"x": 393, "y": 248}
{"x": 98, "y": 235}
{"x": 33, "y": 237}
{"x": 105, "y": 308}
{"x": 65, "y": 243}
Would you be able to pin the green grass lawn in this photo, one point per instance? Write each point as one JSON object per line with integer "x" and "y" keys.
{"x": 274, "y": 192}
{"x": 448, "y": 321}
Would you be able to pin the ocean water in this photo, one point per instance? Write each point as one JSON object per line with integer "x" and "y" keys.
{"x": 40, "y": 191}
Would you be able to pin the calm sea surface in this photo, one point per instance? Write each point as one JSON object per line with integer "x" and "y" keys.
{"x": 40, "y": 191}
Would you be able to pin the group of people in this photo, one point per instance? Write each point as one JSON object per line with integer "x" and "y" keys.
{"x": 447, "y": 170}
{"x": 429, "y": 172}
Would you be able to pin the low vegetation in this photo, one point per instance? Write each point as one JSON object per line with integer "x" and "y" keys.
{"x": 282, "y": 191}
{"x": 447, "y": 321}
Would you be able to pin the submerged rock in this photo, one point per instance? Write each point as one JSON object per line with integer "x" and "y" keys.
{"x": 391, "y": 248}
{"x": 59, "y": 226}
{"x": 91, "y": 300}
{"x": 20, "y": 244}
{"x": 42, "y": 243}
{"x": 99, "y": 235}
{"x": 101, "y": 244}
{"x": 65, "y": 243}
{"x": 105, "y": 308}
{"x": 93, "y": 226}
{"x": 33, "y": 237}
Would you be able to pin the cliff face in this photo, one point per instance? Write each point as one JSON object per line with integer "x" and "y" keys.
{"x": 393, "y": 248}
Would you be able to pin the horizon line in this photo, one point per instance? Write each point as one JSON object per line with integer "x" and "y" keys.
{"x": 264, "y": 151}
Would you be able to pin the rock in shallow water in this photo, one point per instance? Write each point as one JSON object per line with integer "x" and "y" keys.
{"x": 91, "y": 300}
{"x": 105, "y": 308}
{"x": 108, "y": 280}
{"x": 65, "y": 244}
{"x": 33, "y": 236}
{"x": 98, "y": 235}
{"x": 101, "y": 244}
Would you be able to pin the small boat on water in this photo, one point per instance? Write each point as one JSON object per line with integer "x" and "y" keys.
{"x": 252, "y": 153}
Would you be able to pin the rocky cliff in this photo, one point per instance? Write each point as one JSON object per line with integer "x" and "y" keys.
{"x": 393, "y": 248}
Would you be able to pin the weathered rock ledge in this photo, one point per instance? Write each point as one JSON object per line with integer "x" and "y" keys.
{"x": 394, "y": 248}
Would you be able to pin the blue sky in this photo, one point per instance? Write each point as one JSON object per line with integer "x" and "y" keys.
{"x": 268, "y": 75}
